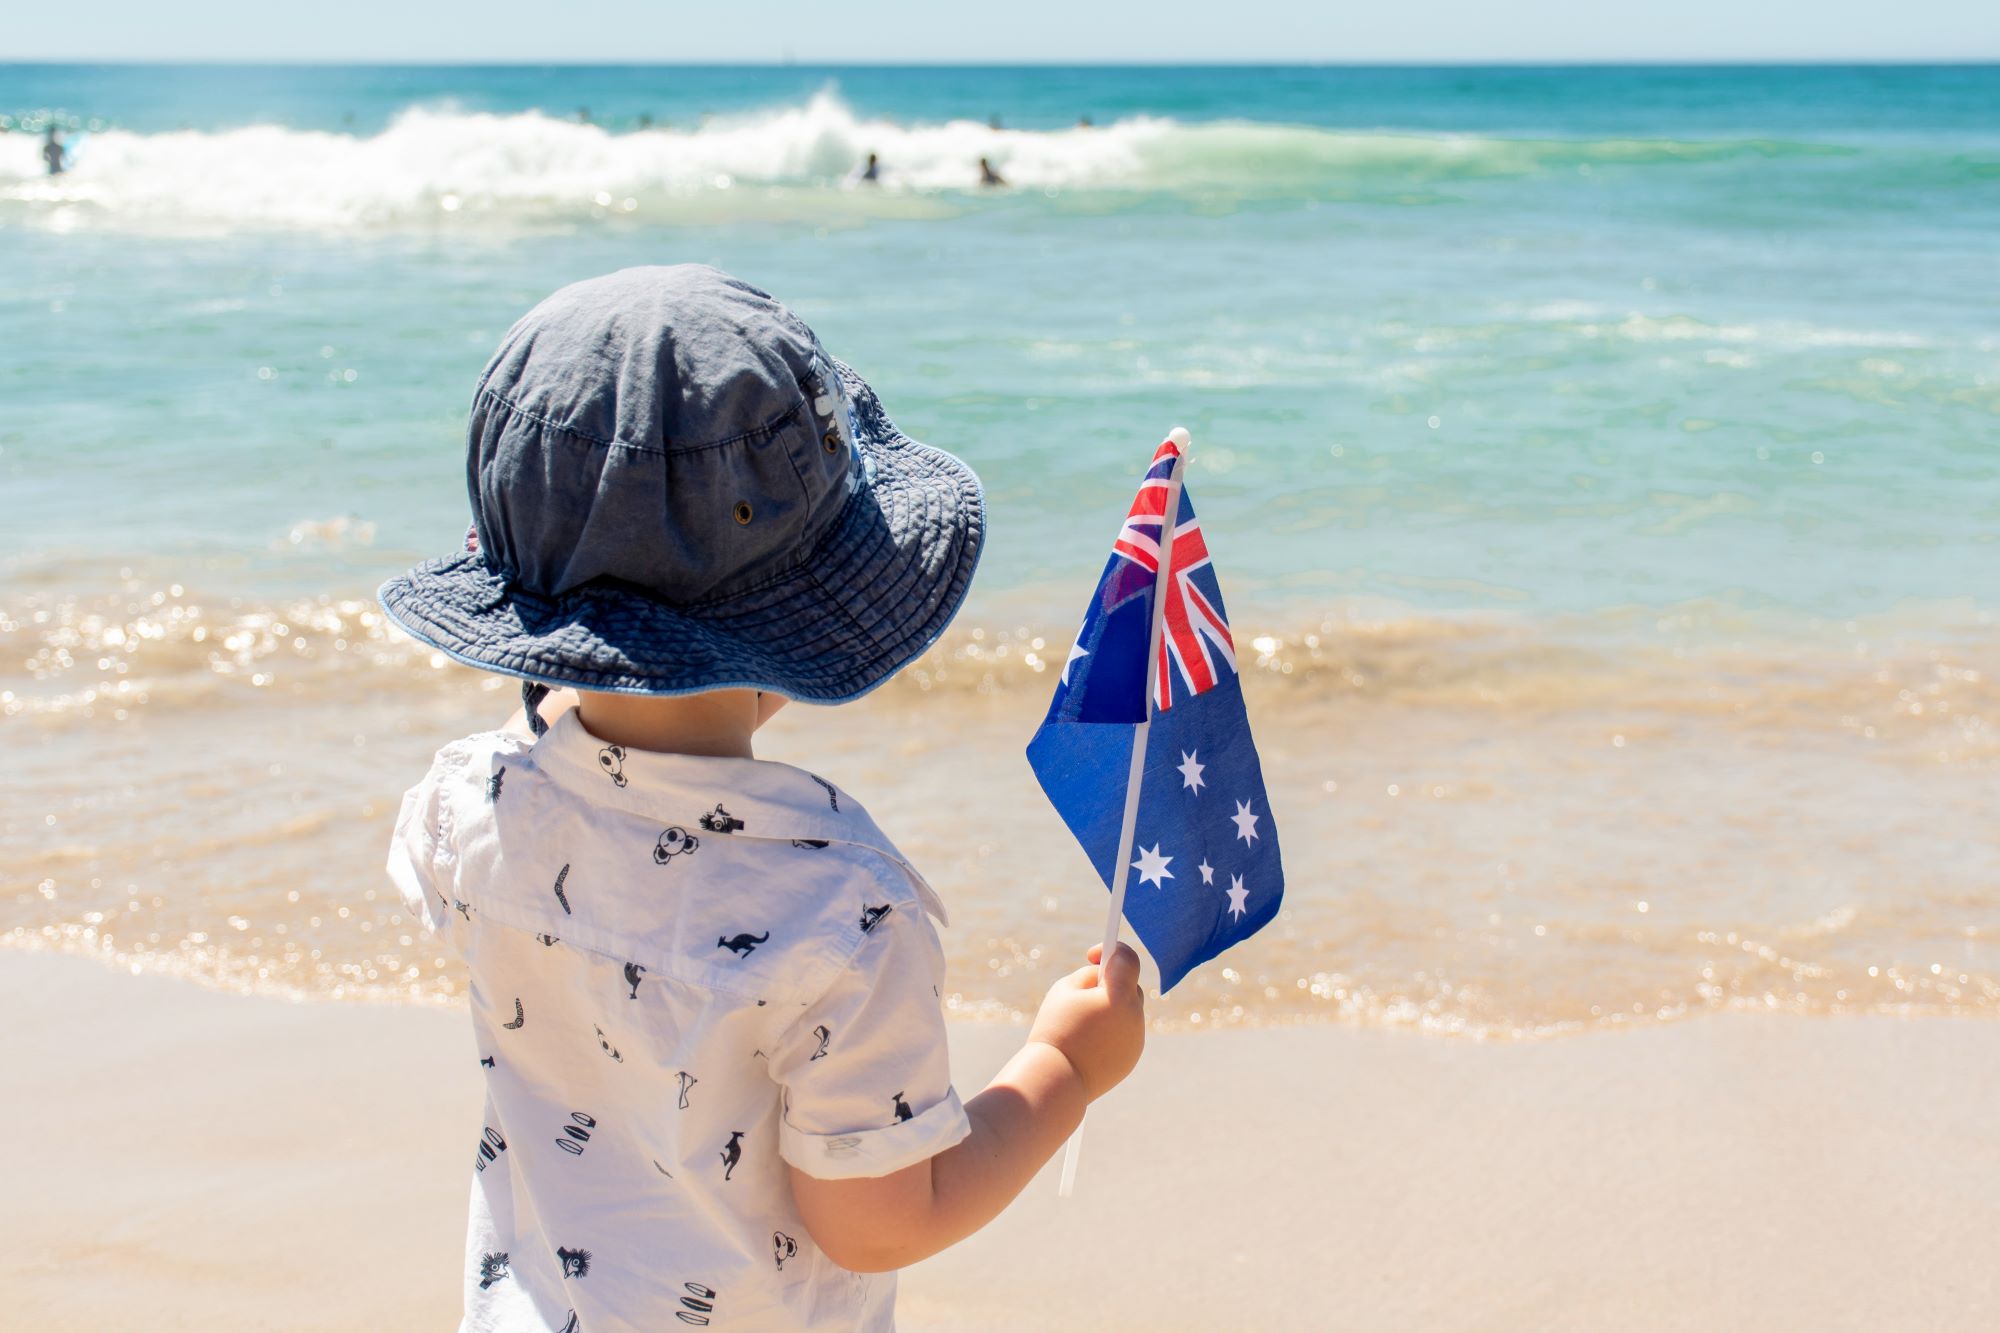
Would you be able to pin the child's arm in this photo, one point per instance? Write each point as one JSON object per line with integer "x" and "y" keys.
{"x": 1086, "y": 1039}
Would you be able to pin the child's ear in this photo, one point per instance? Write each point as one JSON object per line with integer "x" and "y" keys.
{"x": 768, "y": 704}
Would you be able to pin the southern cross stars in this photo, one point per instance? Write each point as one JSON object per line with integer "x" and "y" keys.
{"x": 1076, "y": 650}
{"x": 1246, "y": 823}
{"x": 1237, "y": 894}
{"x": 1207, "y": 871}
{"x": 1191, "y": 771}
{"x": 1152, "y": 867}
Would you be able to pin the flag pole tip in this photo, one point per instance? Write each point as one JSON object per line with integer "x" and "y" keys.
{"x": 1179, "y": 436}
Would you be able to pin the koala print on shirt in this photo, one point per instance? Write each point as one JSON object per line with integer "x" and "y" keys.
{"x": 675, "y": 841}
{"x": 612, "y": 760}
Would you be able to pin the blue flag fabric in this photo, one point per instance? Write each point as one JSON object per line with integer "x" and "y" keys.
{"x": 1206, "y": 872}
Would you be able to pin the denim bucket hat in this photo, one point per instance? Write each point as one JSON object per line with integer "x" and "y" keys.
{"x": 675, "y": 489}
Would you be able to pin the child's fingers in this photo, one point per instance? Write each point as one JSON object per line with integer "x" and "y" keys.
{"x": 1088, "y": 978}
{"x": 1123, "y": 973}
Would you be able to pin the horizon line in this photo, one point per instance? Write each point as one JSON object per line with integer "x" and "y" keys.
{"x": 1580, "y": 62}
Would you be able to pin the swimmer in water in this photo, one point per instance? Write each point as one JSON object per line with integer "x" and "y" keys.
{"x": 871, "y": 174}
{"x": 988, "y": 176}
{"x": 52, "y": 153}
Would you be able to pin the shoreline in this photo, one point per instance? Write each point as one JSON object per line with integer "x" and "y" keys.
{"x": 198, "y": 1159}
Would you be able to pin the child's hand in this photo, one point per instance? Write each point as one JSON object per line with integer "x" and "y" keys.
{"x": 1097, "y": 1018}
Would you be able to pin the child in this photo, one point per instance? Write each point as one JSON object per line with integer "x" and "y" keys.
{"x": 705, "y": 988}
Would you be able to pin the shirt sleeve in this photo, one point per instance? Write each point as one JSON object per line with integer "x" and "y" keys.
{"x": 419, "y": 849}
{"x": 865, "y": 1071}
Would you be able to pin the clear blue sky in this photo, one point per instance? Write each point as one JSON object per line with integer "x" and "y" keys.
{"x": 953, "y": 31}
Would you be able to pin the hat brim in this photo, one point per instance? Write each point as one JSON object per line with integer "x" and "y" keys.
{"x": 878, "y": 588}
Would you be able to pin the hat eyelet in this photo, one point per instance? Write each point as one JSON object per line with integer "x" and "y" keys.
{"x": 742, "y": 511}
{"x": 832, "y": 441}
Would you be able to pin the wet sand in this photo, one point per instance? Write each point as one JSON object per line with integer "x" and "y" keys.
{"x": 187, "y": 1159}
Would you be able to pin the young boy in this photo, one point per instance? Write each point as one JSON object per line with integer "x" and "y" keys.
{"x": 705, "y": 988}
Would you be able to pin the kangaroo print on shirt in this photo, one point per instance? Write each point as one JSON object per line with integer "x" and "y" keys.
{"x": 783, "y": 1247}
{"x": 575, "y": 1263}
{"x": 520, "y": 1015}
{"x": 562, "y": 897}
{"x": 608, "y": 1049}
{"x": 721, "y": 821}
{"x": 546, "y": 940}
{"x": 825, "y": 1035}
{"x": 732, "y": 1154}
{"x": 687, "y": 1081}
{"x": 872, "y": 916}
{"x": 673, "y": 842}
{"x": 632, "y": 974}
{"x": 492, "y": 1267}
{"x": 486, "y": 1062}
{"x": 742, "y": 945}
{"x": 463, "y": 909}
{"x": 902, "y": 1109}
{"x": 612, "y": 760}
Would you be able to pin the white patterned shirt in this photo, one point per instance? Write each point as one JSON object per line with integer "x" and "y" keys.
{"x": 684, "y": 973}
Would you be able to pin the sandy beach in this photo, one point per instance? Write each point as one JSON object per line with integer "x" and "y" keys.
{"x": 188, "y": 1159}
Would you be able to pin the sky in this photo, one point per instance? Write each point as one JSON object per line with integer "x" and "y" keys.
{"x": 1027, "y": 31}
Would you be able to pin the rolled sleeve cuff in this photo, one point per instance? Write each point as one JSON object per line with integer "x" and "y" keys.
{"x": 876, "y": 1152}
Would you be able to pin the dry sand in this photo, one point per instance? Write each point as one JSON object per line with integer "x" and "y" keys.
{"x": 182, "y": 1159}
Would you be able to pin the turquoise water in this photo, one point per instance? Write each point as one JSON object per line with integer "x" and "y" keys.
{"x": 1531, "y": 408}
{"x": 1562, "y": 338}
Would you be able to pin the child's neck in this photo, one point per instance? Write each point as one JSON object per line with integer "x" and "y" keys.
{"x": 718, "y": 724}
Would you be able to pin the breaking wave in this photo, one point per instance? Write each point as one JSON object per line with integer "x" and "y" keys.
{"x": 439, "y": 164}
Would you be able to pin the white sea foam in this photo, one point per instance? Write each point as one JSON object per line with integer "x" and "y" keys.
{"x": 438, "y": 161}
{"x": 442, "y": 163}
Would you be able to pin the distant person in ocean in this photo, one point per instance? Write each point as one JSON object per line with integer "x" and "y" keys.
{"x": 583, "y": 115}
{"x": 1083, "y": 121}
{"x": 871, "y": 171}
{"x": 988, "y": 176}
{"x": 52, "y": 153}
{"x": 645, "y": 121}
{"x": 993, "y": 122}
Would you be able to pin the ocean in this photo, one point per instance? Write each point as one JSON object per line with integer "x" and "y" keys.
{"x": 1600, "y": 463}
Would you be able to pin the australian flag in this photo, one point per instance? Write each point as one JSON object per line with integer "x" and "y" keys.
{"x": 1205, "y": 872}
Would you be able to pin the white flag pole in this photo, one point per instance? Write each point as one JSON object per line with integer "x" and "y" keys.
{"x": 1127, "y": 830}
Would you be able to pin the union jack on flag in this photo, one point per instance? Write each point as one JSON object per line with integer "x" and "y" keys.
{"x": 1195, "y": 632}
{"x": 1207, "y": 873}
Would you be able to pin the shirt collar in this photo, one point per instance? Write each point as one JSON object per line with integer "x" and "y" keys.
{"x": 771, "y": 800}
